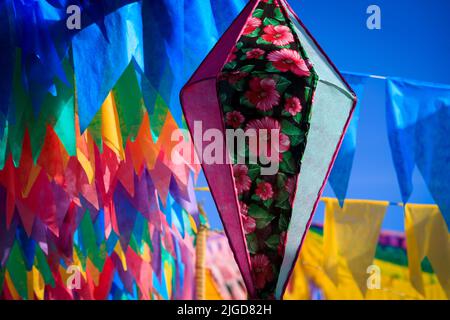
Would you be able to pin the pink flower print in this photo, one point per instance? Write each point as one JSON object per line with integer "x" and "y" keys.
{"x": 289, "y": 60}
{"x": 249, "y": 224}
{"x": 264, "y": 191}
{"x": 266, "y": 125}
{"x": 241, "y": 179}
{"x": 234, "y": 119}
{"x": 263, "y": 93}
{"x": 252, "y": 24}
{"x": 244, "y": 208}
{"x": 262, "y": 270}
{"x": 278, "y": 35}
{"x": 255, "y": 53}
{"x": 293, "y": 105}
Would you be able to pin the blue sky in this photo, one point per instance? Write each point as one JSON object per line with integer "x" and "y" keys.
{"x": 414, "y": 43}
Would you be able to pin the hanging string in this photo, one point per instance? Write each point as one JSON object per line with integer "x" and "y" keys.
{"x": 391, "y": 203}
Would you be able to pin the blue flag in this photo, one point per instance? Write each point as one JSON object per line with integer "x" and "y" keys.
{"x": 340, "y": 174}
{"x": 418, "y": 120}
{"x": 99, "y": 61}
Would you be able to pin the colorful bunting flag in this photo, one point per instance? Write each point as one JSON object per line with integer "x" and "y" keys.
{"x": 418, "y": 120}
{"x": 340, "y": 174}
{"x": 85, "y": 213}
{"x": 359, "y": 220}
{"x": 427, "y": 236}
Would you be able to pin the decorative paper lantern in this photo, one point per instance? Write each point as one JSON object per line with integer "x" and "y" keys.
{"x": 267, "y": 72}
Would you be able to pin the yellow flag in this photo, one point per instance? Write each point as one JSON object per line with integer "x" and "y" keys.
{"x": 211, "y": 288}
{"x": 111, "y": 127}
{"x": 395, "y": 284}
{"x": 38, "y": 283}
{"x": 352, "y": 232}
{"x": 298, "y": 287}
{"x": 85, "y": 150}
{"x": 427, "y": 236}
{"x": 12, "y": 289}
{"x": 168, "y": 273}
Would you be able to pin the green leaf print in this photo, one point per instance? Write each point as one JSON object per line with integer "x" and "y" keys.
{"x": 254, "y": 34}
{"x": 253, "y": 171}
{"x": 247, "y": 68}
{"x": 283, "y": 84}
{"x": 262, "y": 216}
{"x": 262, "y": 41}
{"x": 252, "y": 243}
{"x": 258, "y": 13}
{"x": 288, "y": 128}
{"x": 288, "y": 164}
{"x": 270, "y": 21}
{"x": 278, "y": 14}
{"x": 273, "y": 241}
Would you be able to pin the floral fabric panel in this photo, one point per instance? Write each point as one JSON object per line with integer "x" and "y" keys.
{"x": 268, "y": 83}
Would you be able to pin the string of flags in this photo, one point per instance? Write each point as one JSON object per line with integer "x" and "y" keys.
{"x": 385, "y": 266}
{"x": 92, "y": 207}
{"x": 417, "y": 117}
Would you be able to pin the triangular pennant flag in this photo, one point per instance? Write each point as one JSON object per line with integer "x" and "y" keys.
{"x": 8, "y": 181}
{"x": 40, "y": 56}
{"x": 111, "y": 134}
{"x": 65, "y": 127}
{"x": 106, "y": 277}
{"x": 125, "y": 214}
{"x": 187, "y": 200}
{"x": 223, "y": 11}
{"x": 17, "y": 271}
{"x": 39, "y": 194}
{"x": 7, "y": 66}
{"x": 125, "y": 174}
{"x": 340, "y": 174}
{"x": 267, "y": 75}
{"x": 427, "y": 236}
{"x": 352, "y": 232}
{"x": 7, "y": 232}
{"x": 161, "y": 176}
{"x": 26, "y": 216}
{"x": 129, "y": 103}
{"x": 156, "y": 257}
{"x": 418, "y": 120}
{"x": 143, "y": 148}
{"x": 51, "y": 156}
{"x": 99, "y": 62}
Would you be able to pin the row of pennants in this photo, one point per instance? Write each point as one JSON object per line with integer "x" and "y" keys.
{"x": 418, "y": 124}
{"x": 107, "y": 202}
{"x": 124, "y": 217}
{"x": 86, "y": 181}
{"x": 337, "y": 259}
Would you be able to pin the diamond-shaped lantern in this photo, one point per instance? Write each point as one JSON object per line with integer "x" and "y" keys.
{"x": 267, "y": 74}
